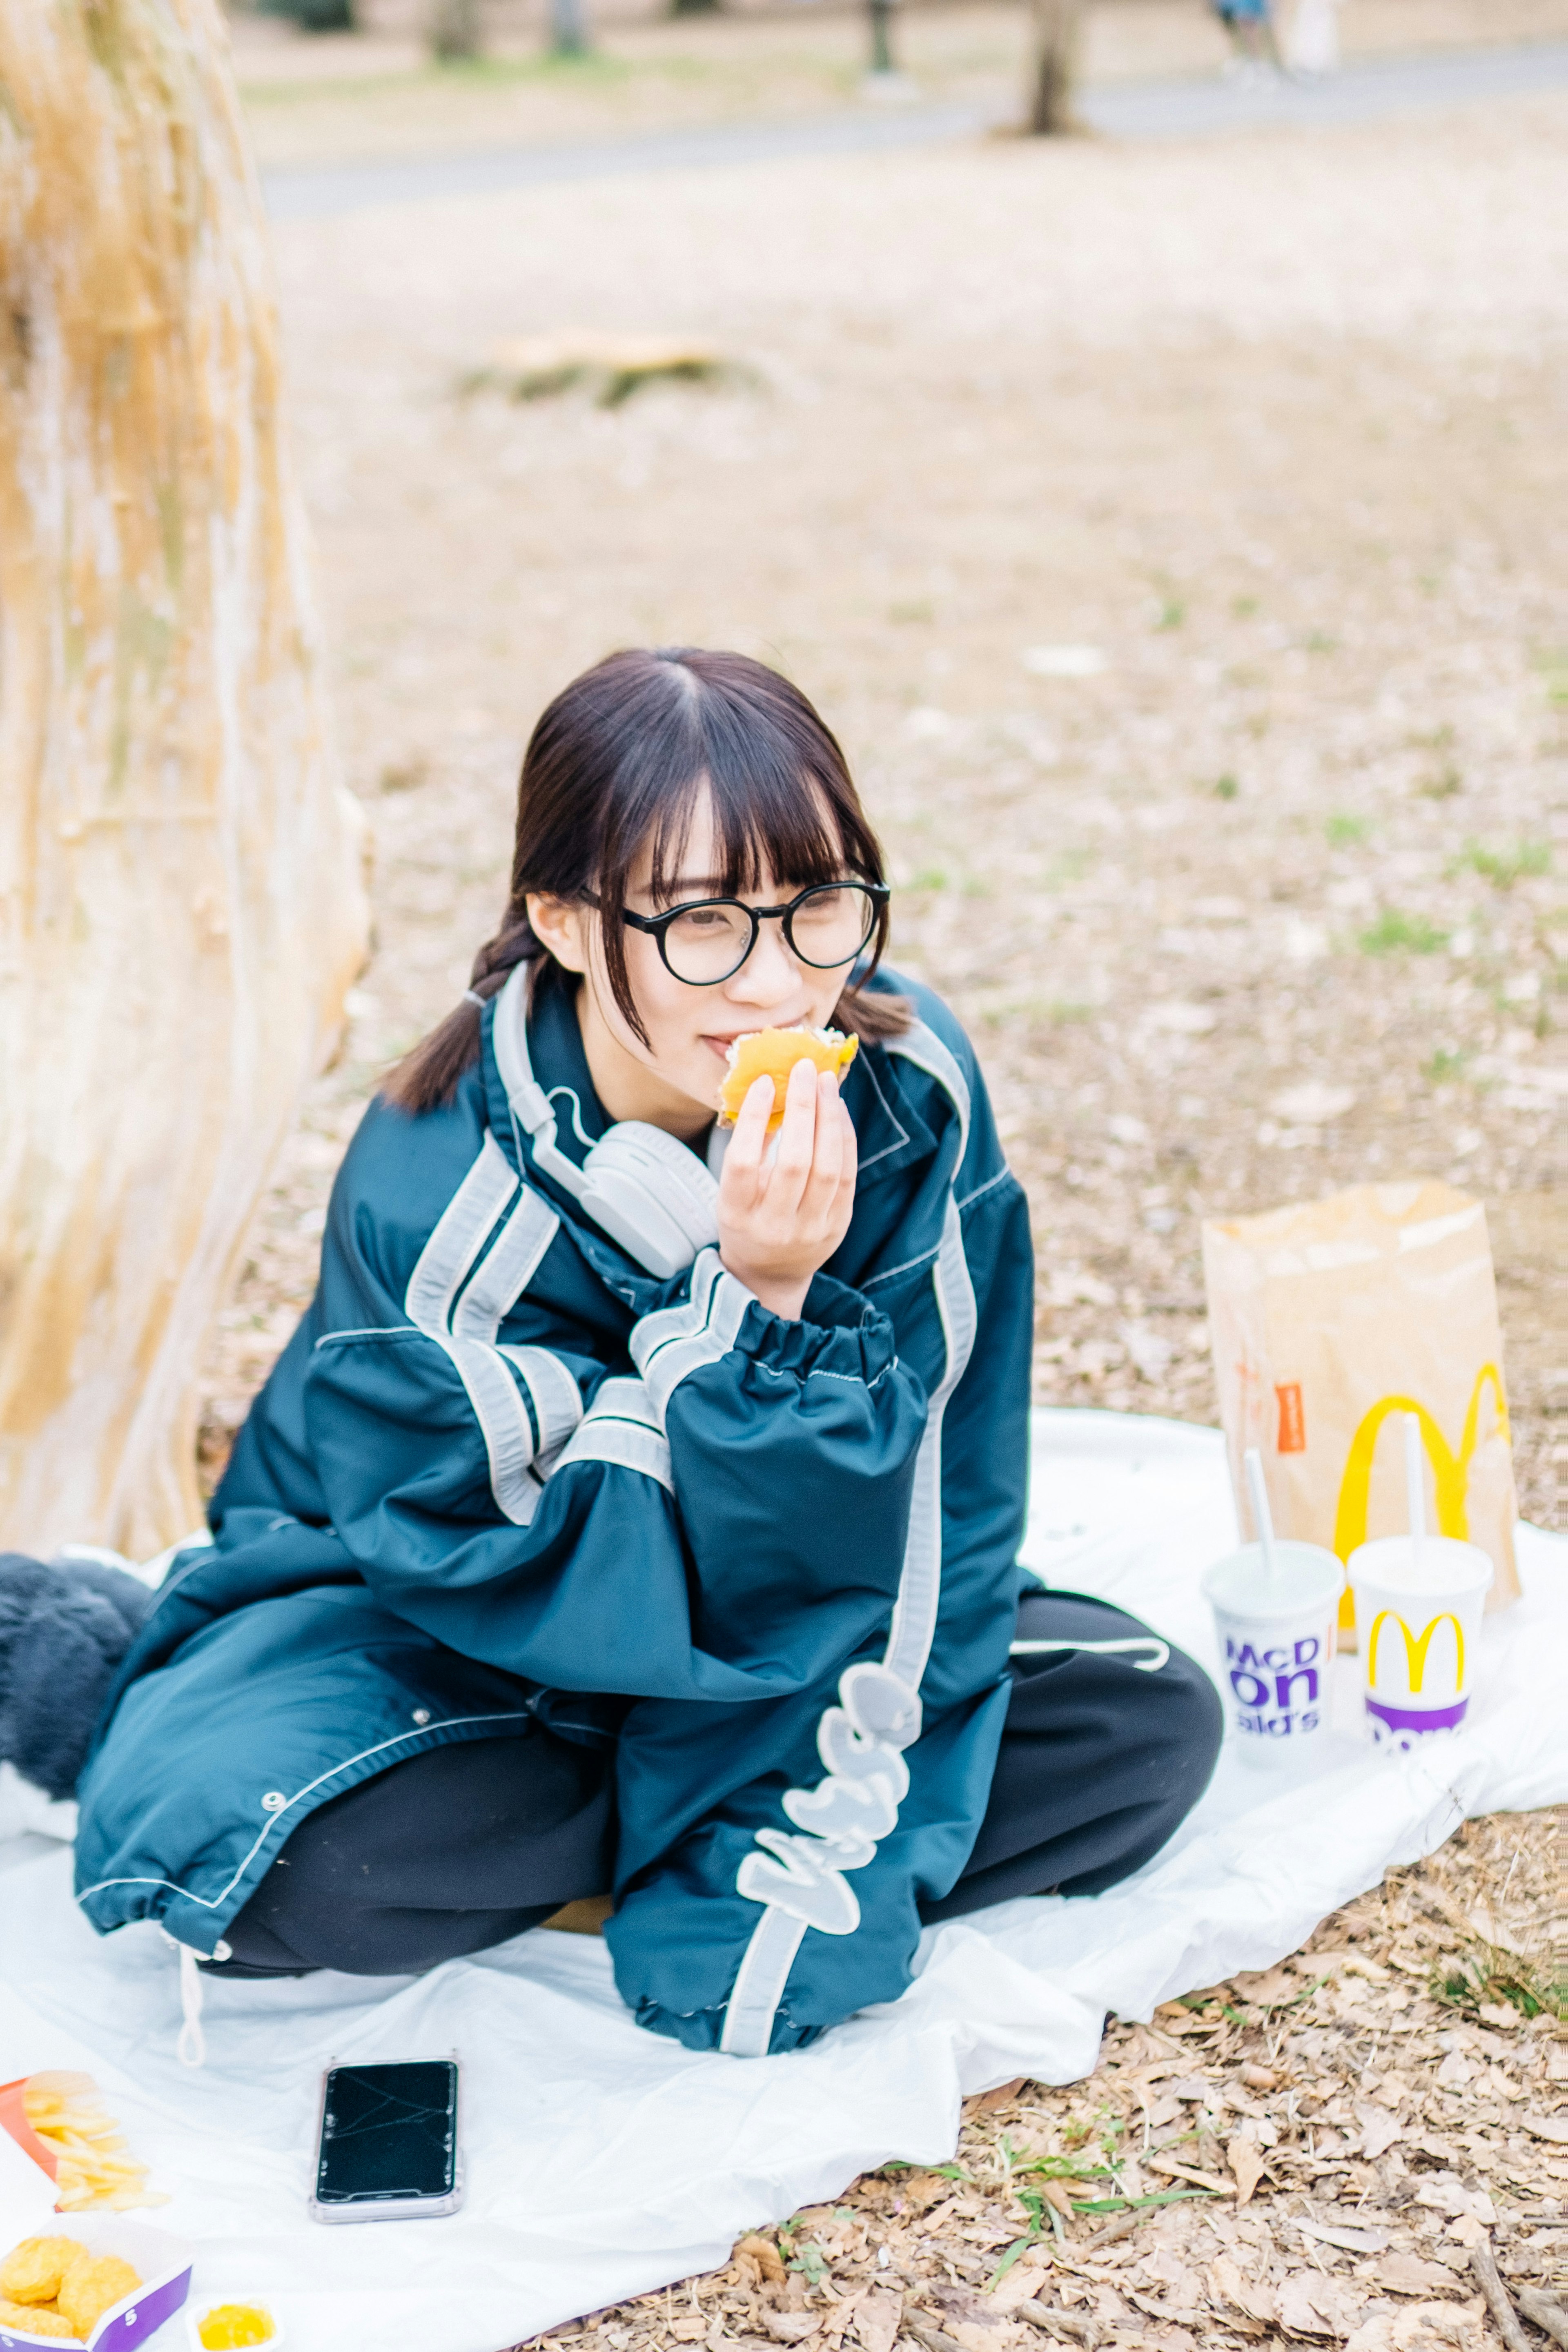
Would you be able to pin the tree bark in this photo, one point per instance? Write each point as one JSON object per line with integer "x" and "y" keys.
{"x": 454, "y": 29}
{"x": 1054, "y": 30}
{"x": 570, "y": 35}
{"x": 181, "y": 900}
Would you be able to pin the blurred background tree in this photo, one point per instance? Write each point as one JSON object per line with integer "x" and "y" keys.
{"x": 569, "y": 32}
{"x": 454, "y": 29}
{"x": 1056, "y": 30}
{"x": 313, "y": 15}
{"x": 182, "y": 904}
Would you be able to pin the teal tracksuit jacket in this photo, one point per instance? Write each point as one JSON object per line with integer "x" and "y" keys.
{"x": 501, "y": 1472}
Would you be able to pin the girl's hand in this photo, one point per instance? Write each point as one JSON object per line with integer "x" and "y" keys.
{"x": 777, "y": 1224}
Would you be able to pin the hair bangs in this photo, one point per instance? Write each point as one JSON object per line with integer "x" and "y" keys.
{"x": 769, "y": 819}
{"x": 613, "y": 771}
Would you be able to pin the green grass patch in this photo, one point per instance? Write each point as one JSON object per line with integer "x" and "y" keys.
{"x": 1071, "y": 865}
{"x": 1398, "y": 934}
{"x": 1504, "y": 866}
{"x": 1443, "y": 782}
{"x": 1491, "y": 1973}
{"x": 1344, "y": 831}
{"x": 1446, "y": 1065}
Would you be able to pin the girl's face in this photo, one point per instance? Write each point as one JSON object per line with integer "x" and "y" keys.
{"x": 673, "y": 1081}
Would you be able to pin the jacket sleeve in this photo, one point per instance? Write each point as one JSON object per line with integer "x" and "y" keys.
{"x": 748, "y": 1874}
{"x": 661, "y": 1546}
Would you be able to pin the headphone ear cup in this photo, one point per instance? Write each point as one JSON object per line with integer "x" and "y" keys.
{"x": 652, "y": 1195}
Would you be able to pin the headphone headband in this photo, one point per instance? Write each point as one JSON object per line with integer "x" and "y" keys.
{"x": 642, "y": 1187}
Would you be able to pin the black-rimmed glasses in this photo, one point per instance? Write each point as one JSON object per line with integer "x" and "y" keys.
{"x": 708, "y": 939}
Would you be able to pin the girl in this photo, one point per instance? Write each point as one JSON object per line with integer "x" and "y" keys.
{"x": 638, "y": 1504}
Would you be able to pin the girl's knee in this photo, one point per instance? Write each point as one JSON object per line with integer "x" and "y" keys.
{"x": 1193, "y": 1723}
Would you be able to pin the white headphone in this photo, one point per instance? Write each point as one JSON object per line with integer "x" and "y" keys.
{"x": 648, "y": 1192}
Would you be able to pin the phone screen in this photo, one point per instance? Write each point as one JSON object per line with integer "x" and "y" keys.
{"x": 388, "y": 2132}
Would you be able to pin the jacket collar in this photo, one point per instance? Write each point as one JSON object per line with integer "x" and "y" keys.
{"x": 539, "y": 1095}
{"x": 540, "y": 1100}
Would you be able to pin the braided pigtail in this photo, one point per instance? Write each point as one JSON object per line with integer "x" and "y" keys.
{"x": 426, "y": 1079}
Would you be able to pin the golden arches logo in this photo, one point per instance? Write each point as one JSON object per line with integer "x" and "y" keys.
{"x": 1415, "y": 1649}
{"x": 1450, "y": 1471}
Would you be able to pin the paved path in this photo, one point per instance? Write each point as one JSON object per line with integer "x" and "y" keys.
{"x": 1163, "y": 109}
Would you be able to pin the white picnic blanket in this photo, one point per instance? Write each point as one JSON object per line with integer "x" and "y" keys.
{"x": 602, "y": 2161}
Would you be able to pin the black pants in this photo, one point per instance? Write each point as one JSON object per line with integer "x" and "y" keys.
{"x": 463, "y": 1847}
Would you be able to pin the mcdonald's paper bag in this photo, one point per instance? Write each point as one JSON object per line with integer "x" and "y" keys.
{"x": 1330, "y": 1321}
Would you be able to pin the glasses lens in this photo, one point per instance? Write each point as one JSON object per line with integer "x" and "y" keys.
{"x": 709, "y": 942}
{"x": 832, "y": 925}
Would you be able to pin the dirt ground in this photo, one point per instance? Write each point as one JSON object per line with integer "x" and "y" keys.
{"x": 1265, "y": 899}
{"x": 1273, "y": 425}
{"x": 1307, "y": 2154}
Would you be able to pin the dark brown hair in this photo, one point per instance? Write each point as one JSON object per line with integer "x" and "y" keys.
{"x": 618, "y": 761}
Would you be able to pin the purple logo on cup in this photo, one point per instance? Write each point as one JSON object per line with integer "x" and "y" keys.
{"x": 1276, "y": 1687}
{"x": 1274, "y": 1631}
{"x": 1418, "y": 1601}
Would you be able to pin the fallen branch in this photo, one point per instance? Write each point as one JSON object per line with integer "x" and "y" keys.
{"x": 931, "y": 2339}
{"x": 1497, "y": 2295}
{"x": 1549, "y": 2315}
{"x": 1061, "y": 2323}
{"x": 1122, "y": 2227}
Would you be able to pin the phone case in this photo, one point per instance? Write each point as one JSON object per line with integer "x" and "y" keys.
{"x": 398, "y": 2209}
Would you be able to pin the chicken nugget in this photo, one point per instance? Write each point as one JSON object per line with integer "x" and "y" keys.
{"x": 36, "y": 2319}
{"x": 772, "y": 1053}
{"x": 91, "y": 2287}
{"x": 32, "y": 2272}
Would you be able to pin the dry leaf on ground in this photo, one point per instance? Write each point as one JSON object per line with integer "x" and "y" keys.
{"x": 1412, "y": 2275}
{"x": 787, "y": 2326}
{"x": 1246, "y": 2160}
{"x": 1020, "y": 2284}
{"x": 1313, "y": 2305}
{"x": 1423, "y": 2328}
{"x": 1002, "y": 2096}
{"x": 1349, "y": 2241}
{"x": 1380, "y": 2129}
{"x": 877, "y": 2319}
{"x": 1255, "y": 2297}
{"x": 976, "y": 2337}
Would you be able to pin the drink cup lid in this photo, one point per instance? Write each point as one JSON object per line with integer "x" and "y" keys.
{"x": 1445, "y": 1569}
{"x": 1307, "y": 1579}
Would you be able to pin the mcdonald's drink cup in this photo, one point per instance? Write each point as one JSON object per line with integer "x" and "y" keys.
{"x": 1418, "y": 1621}
{"x": 1276, "y": 1638}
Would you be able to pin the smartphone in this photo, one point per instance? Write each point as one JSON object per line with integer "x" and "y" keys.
{"x": 388, "y": 2144}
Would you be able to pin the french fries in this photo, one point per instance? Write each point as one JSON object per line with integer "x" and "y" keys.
{"x": 93, "y": 2165}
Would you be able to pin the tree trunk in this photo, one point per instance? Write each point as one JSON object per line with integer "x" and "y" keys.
{"x": 316, "y": 16}
{"x": 182, "y": 903}
{"x": 1055, "y": 26}
{"x": 454, "y": 29}
{"x": 569, "y": 33}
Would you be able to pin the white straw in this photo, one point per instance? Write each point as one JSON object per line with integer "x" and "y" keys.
{"x": 1414, "y": 1483}
{"x": 1262, "y": 1518}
